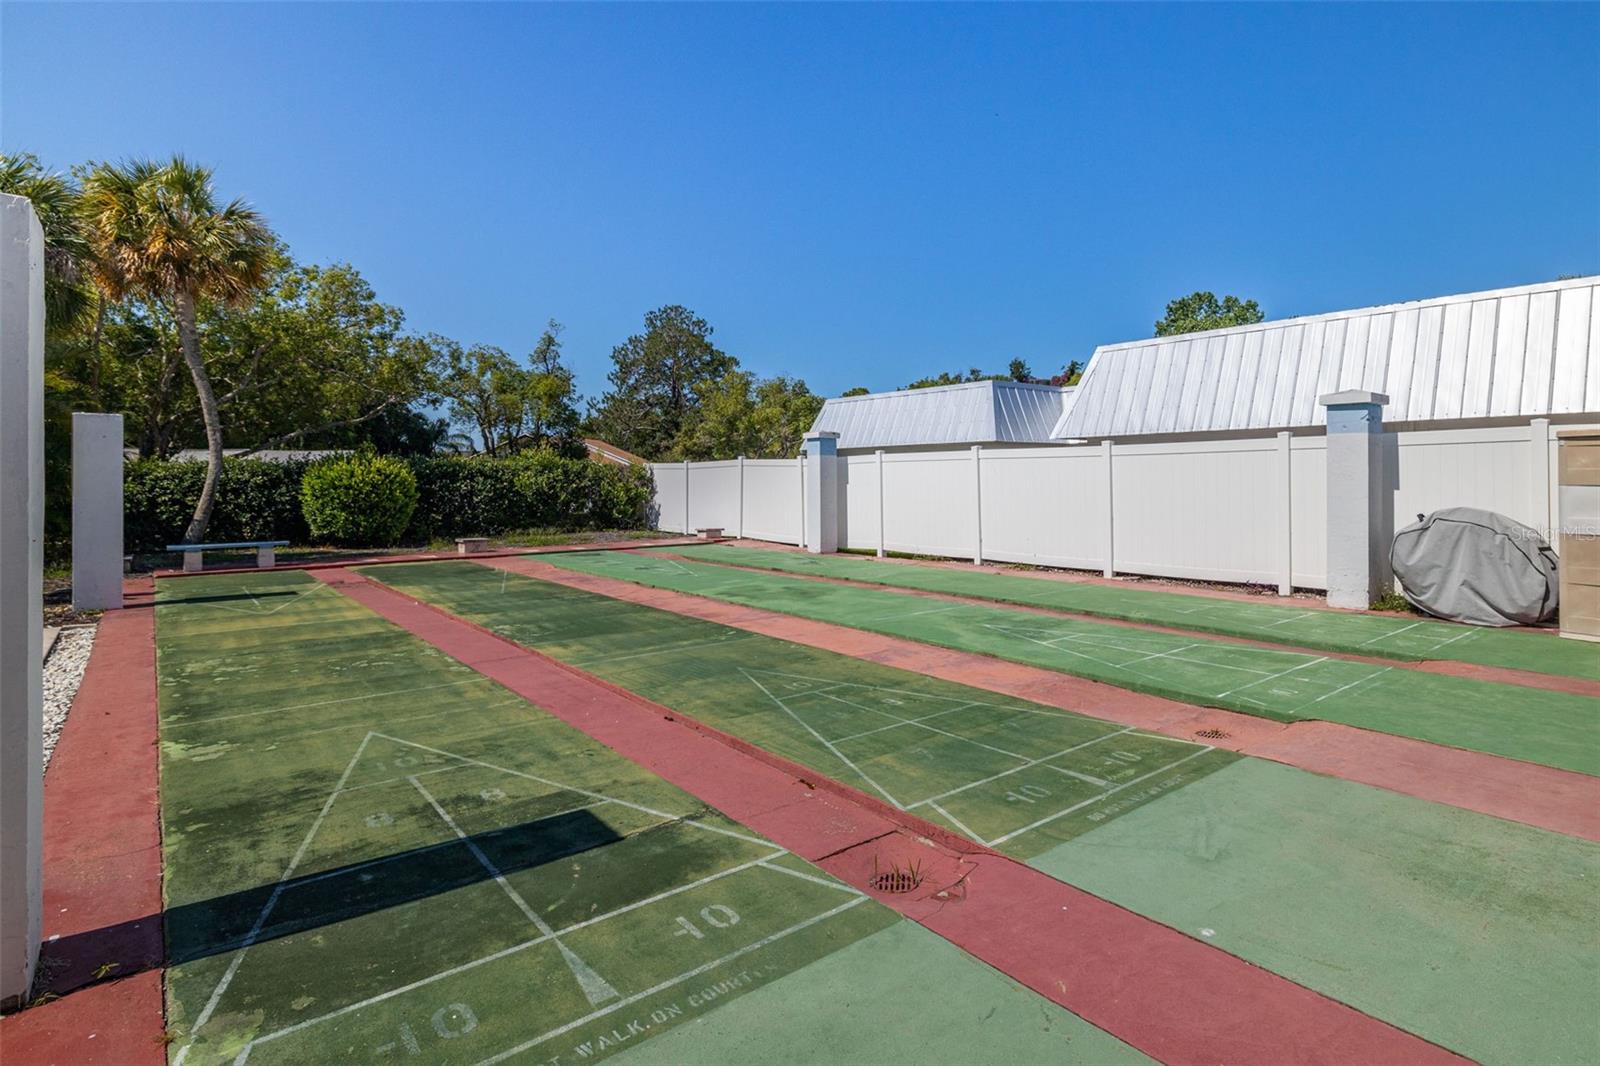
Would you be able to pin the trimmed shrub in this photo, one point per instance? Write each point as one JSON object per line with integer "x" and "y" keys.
{"x": 464, "y": 495}
{"x": 364, "y": 500}
{"x": 256, "y": 500}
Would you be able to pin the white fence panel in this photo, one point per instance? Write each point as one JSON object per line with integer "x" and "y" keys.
{"x": 670, "y": 513}
{"x": 860, "y": 500}
{"x": 1045, "y": 506}
{"x": 1308, "y": 511}
{"x": 772, "y": 495}
{"x": 1198, "y": 511}
{"x": 1487, "y": 468}
{"x": 1221, "y": 510}
{"x": 929, "y": 503}
{"x": 714, "y": 496}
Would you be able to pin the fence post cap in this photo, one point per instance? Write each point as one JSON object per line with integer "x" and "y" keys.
{"x": 1352, "y": 396}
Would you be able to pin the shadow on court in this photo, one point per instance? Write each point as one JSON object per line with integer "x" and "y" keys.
{"x": 226, "y": 923}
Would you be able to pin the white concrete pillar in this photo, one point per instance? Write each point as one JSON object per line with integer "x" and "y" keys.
{"x": 21, "y": 598}
{"x": 96, "y": 511}
{"x": 1356, "y": 552}
{"x": 882, "y": 518}
{"x": 1107, "y": 452}
{"x": 977, "y": 505}
{"x": 741, "y": 498}
{"x": 1284, "y": 502}
{"x": 821, "y": 499}
{"x": 687, "y": 527}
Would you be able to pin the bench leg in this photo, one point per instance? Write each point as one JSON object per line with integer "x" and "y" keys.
{"x": 266, "y": 558}
{"x": 193, "y": 562}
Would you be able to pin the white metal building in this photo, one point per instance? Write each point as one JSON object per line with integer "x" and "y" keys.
{"x": 976, "y": 412}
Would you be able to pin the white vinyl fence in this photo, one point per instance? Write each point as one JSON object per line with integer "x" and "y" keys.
{"x": 1244, "y": 510}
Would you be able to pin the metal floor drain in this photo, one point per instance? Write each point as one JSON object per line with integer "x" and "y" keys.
{"x": 1213, "y": 734}
{"x": 895, "y": 881}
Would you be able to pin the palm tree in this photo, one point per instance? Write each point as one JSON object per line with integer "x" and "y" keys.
{"x": 157, "y": 231}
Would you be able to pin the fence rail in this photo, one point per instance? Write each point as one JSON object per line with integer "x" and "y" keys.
{"x": 1250, "y": 509}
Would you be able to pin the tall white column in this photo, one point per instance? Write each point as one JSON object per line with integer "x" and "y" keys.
{"x": 21, "y": 599}
{"x": 740, "y": 530}
{"x": 687, "y": 528}
{"x": 882, "y": 518}
{"x": 96, "y": 511}
{"x": 977, "y": 505}
{"x": 1285, "y": 515}
{"x": 1107, "y": 452}
{"x": 1356, "y": 552}
{"x": 821, "y": 497}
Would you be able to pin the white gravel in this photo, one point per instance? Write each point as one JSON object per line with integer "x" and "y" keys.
{"x": 63, "y": 671}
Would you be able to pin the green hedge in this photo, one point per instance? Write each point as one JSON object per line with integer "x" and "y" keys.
{"x": 456, "y": 496}
{"x": 358, "y": 500}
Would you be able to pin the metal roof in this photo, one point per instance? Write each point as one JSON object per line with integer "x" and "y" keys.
{"x": 977, "y": 412}
{"x": 1533, "y": 350}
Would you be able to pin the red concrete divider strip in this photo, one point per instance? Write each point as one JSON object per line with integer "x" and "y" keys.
{"x": 1503, "y": 675}
{"x": 102, "y": 864}
{"x": 433, "y": 557}
{"x": 1173, "y": 997}
{"x": 1558, "y": 800}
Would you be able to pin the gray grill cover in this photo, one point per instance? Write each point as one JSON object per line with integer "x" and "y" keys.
{"x": 1476, "y": 566}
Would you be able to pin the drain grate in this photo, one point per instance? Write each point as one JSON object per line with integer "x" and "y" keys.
{"x": 895, "y": 881}
{"x": 1213, "y": 734}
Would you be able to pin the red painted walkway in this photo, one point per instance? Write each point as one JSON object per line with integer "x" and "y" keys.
{"x": 1173, "y": 997}
{"x": 1542, "y": 796}
{"x": 102, "y": 865}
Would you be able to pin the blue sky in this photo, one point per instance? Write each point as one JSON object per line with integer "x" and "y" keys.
{"x": 856, "y": 195}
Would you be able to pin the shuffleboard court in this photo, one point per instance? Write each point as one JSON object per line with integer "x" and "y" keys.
{"x": 1473, "y": 932}
{"x": 1395, "y": 637}
{"x": 1553, "y": 728}
{"x": 375, "y": 854}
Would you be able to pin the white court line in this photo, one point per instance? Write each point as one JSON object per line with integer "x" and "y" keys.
{"x": 1111, "y": 791}
{"x": 684, "y": 819}
{"x": 411, "y": 718}
{"x": 294, "y": 597}
{"x": 766, "y": 864}
{"x": 1073, "y": 651}
{"x": 1291, "y": 618}
{"x": 1272, "y": 677}
{"x": 958, "y": 823}
{"x": 1386, "y": 636}
{"x": 670, "y": 982}
{"x": 913, "y": 614}
{"x": 923, "y": 725}
{"x": 503, "y": 952}
{"x": 904, "y": 722}
{"x": 328, "y": 703}
{"x": 1097, "y": 782}
{"x": 832, "y": 684}
{"x": 825, "y": 741}
{"x": 667, "y": 650}
{"x": 1016, "y": 769}
{"x": 596, "y": 989}
{"x": 1452, "y": 640}
{"x": 272, "y": 901}
{"x": 1342, "y": 688}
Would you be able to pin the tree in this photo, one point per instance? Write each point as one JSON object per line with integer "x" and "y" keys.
{"x": 1202, "y": 310}
{"x": 859, "y": 390}
{"x": 1019, "y": 371}
{"x": 739, "y": 415}
{"x": 655, "y": 379}
{"x": 552, "y": 396}
{"x": 67, "y": 295}
{"x": 485, "y": 389}
{"x": 157, "y": 230}
{"x": 948, "y": 378}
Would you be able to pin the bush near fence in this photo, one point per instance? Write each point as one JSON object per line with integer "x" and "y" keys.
{"x": 456, "y": 496}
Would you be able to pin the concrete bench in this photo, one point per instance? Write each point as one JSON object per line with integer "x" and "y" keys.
{"x": 709, "y": 533}
{"x": 470, "y": 545}
{"x": 194, "y": 554}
